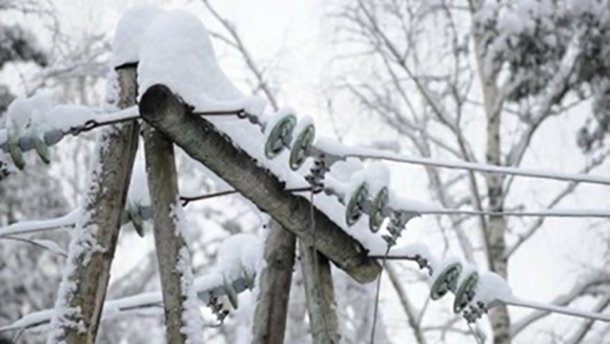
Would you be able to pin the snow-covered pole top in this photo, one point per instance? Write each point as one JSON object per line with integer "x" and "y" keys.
{"x": 176, "y": 51}
{"x": 129, "y": 32}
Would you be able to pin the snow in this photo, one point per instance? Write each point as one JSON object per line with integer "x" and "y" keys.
{"x": 377, "y": 176}
{"x": 255, "y": 105}
{"x": 438, "y": 267}
{"x": 209, "y": 282}
{"x": 43, "y": 113}
{"x": 555, "y": 309}
{"x": 138, "y": 187}
{"x": 83, "y": 245}
{"x": 25, "y": 112}
{"x": 510, "y": 23}
{"x": 344, "y": 169}
{"x": 30, "y": 320}
{"x": 58, "y": 117}
{"x": 239, "y": 253}
{"x": 332, "y": 147}
{"x": 487, "y": 11}
{"x": 191, "y": 317}
{"x": 405, "y": 204}
{"x": 337, "y": 187}
{"x": 28, "y": 227}
{"x": 244, "y": 318}
{"x": 414, "y": 250}
{"x": 369, "y": 153}
{"x": 183, "y": 228}
{"x": 176, "y": 51}
{"x": 129, "y": 32}
{"x": 212, "y": 282}
{"x": 491, "y": 289}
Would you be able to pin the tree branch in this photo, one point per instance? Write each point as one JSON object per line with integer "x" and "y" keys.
{"x": 581, "y": 288}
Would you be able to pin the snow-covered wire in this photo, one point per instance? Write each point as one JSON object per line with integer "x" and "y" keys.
{"x": 68, "y": 220}
{"x": 556, "y": 309}
{"x": 339, "y": 150}
{"x": 538, "y": 213}
{"x": 43, "y": 244}
{"x": 510, "y": 301}
{"x": 28, "y": 227}
{"x": 86, "y": 121}
{"x": 206, "y": 287}
{"x": 434, "y": 210}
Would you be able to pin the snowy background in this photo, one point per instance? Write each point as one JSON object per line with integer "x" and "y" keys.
{"x": 308, "y": 63}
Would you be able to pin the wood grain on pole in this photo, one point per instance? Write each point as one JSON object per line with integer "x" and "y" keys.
{"x": 199, "y": 139}
{"x": 163, "y": 188}
{"x": 105, "y": 204}
{"x": 320, "y": 295}
{"x": 274, "y": 286}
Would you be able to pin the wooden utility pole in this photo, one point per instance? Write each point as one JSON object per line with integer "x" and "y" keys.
{"x": 274, "y": 286}
{"x": 170, "y": 244}
{"x": 320, "y": 295}
{"x": 198, "y": 138}
{"x": 83, "y": 289}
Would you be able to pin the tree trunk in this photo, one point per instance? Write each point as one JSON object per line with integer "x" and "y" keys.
{"x": 163, "y": 110}
{"x": 494, "y": 237}
{"x": 83, "y": 288}
{"x": 410, "y": 311}
{"x": 172, "y": 252}
{"x": 275, "y": 280}
{"x": 320, "y": 295}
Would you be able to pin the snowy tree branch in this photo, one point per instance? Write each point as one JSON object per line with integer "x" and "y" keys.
{"x": 581, "y": 288}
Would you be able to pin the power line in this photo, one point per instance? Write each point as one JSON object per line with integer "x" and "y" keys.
{"x": 510, "y": 301}
{"x": 540, "y": 213}
{"x": 342, "y": 151}
{"x": 556, "y": 309}
{"x": 28, "y": 227}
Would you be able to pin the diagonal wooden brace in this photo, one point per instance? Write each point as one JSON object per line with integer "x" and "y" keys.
{"x": 198, "y": 138}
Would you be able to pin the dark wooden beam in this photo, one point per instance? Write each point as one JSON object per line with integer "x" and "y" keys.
{"x": 199, "y": 139}
{"x": 320, "y": 295}
{"x": 169, "y": 241}
{"x": 274, "y": 286}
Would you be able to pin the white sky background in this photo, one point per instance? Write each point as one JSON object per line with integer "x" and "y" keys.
{"x": 294, "y": 39}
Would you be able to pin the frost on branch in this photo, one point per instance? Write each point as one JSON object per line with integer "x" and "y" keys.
{"x": 17, "y": 44}
{"x": 191, "y": 317}
{"x": 530, "y": 38}
{"x": 82, "y": 246}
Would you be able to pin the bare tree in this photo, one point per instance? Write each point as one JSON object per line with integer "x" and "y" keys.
{"x": 436, "y": 69}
